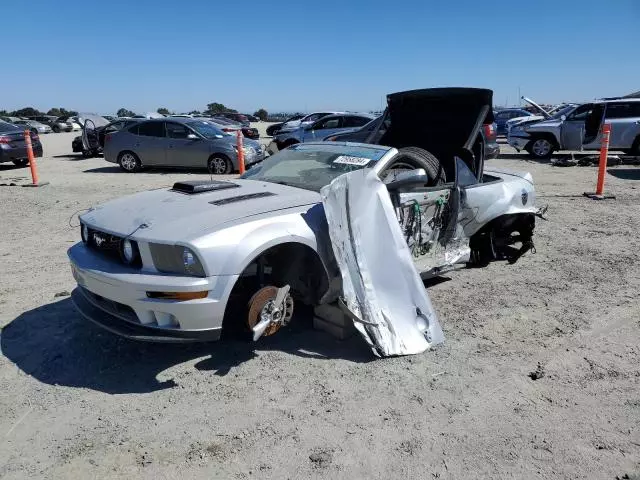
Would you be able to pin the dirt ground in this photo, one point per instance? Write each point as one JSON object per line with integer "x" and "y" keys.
{"x": 78, "y": 402}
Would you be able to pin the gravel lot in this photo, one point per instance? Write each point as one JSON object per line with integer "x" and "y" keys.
{"x": 79, "y": 402}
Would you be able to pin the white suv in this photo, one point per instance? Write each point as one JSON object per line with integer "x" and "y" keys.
{"x": 580, "y": 129}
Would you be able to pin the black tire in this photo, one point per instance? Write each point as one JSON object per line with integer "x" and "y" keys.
{"x": 129, "y": 162}
{"x": 541, "y": 148}
{"x": 419, "y": 158}
{"x": 23, "y": 162}
{"x": 219, "y": 164}
{"x": 56, "y": 129}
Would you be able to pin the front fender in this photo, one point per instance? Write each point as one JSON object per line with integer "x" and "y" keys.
{"x": 230, "y": 250}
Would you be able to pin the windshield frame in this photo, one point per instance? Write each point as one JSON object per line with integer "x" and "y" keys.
{"x": 219, "y": 134}
{"x": 331, "y": 152}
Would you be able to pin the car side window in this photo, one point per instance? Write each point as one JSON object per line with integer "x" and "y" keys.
{"x": 328, "y": 123}
{"x": 149, "y": 129}
{"x": 623, "y": 110}
{"x": 176, "y": 130}
{"x": 355, "y": 121}
{"x": 581, "y": 112}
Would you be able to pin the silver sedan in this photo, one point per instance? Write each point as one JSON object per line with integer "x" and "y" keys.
{"x": 178, "y": 142}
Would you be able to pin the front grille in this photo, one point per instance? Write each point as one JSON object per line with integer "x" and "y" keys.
{"x": 110, "y": 246}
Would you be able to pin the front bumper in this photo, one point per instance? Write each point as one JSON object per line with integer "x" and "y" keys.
{"x": 114, "y": 296}
{"x": 518, "y": 142}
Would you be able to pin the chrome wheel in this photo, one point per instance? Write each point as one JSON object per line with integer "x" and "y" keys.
{"x": 128, "y": 162}
{"x": 218, "y": 166}
{"x": 542, "y": 147}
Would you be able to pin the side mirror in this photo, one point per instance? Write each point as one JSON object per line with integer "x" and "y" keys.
{"x": 192, "y": 136}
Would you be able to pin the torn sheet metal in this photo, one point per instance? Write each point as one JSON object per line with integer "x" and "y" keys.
{"x": 381, "y": 286}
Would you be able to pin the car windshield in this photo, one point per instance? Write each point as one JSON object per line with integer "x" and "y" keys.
{"x": 313, "y": 166}
{"x": 206, "y": 129}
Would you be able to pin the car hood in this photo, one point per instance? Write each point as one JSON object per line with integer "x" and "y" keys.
{"x": 524, "y": 120}
{"x": 171, "y": 216}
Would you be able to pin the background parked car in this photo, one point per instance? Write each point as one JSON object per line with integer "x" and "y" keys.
{"x": 231, "y": 126}
{"x": 34, "y": 126}
{"x": 11, "y": 119}
{"x": 273, "y": 129}
{"x": 55, "y": 124}
{"x": 580, "y": 129}
{"x": 100, "y": 132}
{"x": 236, "y": 117}
{"x": 13, "y": 147}
{"x": 502, "y": 116}
{"x": 362, "y": 135}
{"x": 178, "y": 142}
{"x": 326, "y": 126}
{"x": 290, "y": 125}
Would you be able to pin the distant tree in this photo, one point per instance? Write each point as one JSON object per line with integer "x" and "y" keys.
{"x": 4, "y": 113}
{"x": 163, "y": 111}
{"x": 218, "y": 108}
{"x": 262, "y": 114}
{"x": 194, "y": 112}
{"x": 61, "y": 112}
{"x": 26, "y": 112}
{"x": 123, "y": 112}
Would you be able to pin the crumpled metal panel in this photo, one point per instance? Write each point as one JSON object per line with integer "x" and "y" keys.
{"x": 381, "y": 286}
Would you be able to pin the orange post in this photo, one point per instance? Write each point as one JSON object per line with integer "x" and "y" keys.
{"x": 32, "y": 159}
{"x": 602, "y": 166}
{"x": 240, "y": 152}
{"x": 604, "y": 151}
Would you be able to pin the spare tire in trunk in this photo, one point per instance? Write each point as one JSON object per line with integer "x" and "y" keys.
{"x": 419, "y": 158}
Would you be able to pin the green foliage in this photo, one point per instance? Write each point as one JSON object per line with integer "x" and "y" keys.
{"x": 218, "y": 108}
{"x": 123, "y": 112}
{"x": 25, "y": 112}
{"x": 262, "y": 114}
{"x": 163, "y": 111}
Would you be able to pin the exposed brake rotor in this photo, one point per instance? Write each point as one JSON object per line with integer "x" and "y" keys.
{"x": 270, "y": 309}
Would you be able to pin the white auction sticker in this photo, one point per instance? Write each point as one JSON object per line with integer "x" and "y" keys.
{"x": 347, "y": 160}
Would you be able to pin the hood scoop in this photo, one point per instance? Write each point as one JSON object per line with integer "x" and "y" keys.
{"x": 193, "y": 187}
{"x": 241, "y": 198}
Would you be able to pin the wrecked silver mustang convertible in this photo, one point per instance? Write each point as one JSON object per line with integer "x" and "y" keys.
{"x": 240, "y": 257}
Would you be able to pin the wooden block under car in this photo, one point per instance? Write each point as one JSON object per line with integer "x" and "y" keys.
{"x": 330, "y": 319}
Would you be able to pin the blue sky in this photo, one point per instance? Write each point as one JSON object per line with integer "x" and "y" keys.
{"x": 296, "y": 55}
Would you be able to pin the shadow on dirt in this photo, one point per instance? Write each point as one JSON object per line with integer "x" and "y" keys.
{"x": 114, "y": 169}
{"x": 72, "y": 156}
{"x": 625, "y": 173}
{"x": 56, "y": 346}
{"x": 5, "y": 167}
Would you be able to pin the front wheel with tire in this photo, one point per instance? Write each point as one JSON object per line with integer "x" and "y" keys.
{"x": 56, "y": 129}
{"x": 219, "y": 165}
{"x": 129, "y": 162}
{"x": 23, "y": 162}
{"x": 541, "y": 148}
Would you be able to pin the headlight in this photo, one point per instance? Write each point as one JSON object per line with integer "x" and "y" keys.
{"x": 84, "y": 233}
{"x": 176, "y": 259}
{"x": 127, "y": 251}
